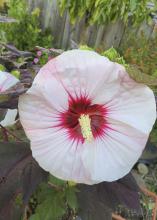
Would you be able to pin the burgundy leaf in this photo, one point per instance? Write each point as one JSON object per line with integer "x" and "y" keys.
{"x": 149, "y": 154}
{"x": 90, "y": 207}
{"x": 17, "y": 52}
{"x": 11, "y": 103}
{"x": 2, "y": 114}
{"x": 123, "y": 192}
{"x": 19, "y": 176}
{"x": 108, "y": 197}
{"x": 15, "y": 90}
{"x": 26, "y": 78}
{"x": 7, "y": 63}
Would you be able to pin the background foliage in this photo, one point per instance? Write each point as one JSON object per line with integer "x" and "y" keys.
{"x": 26, "y": 33}
{"x": 105, "y": 11}
{"x": 141, "y": 51}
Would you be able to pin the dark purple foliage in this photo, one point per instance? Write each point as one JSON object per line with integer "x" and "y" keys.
{"x": 19, "y": 176}
{"x": 100, "y": 200}
{"x": 2, "y": 114}
{"x": 17, "y": 52}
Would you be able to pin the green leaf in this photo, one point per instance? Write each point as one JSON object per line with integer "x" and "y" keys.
{"x": 2, "y": 68}
{"x": 111, "y": 53}
{"x": 56, "y": 181}
{"x": 133, "y": 4}
{"x": 114, "y": 56}
{"x": 71, "y": 198}
{"x": 99, "y": 11}
{"x": 15, "y": 73}
{"x": 49, "y": 210}
{"x": 27, "y": 30}
{"x": 35, "y": 217}
{"x": 85, "y": 47}
{"x": 51, "y": 206}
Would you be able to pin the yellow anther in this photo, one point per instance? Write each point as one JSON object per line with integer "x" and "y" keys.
{"x": 85, "y": 124}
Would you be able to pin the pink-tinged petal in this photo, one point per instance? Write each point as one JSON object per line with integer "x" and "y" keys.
{"x": 82, "y": 72}
{"x": 6, "y": 81}
{"x": 61, "y": 157}
{"x": 133, "y": 104}
{"x": 36, "y": 108}
{"x": 108, "y": 88}
{"x": 50, "y": 88}
{"x": 78, "y": 84}
{"x": 113, "y": 156}
{"x": 50, "y": 145}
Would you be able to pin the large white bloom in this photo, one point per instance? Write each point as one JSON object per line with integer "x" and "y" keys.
{"x": 6, "y": 82}
{"x": 87, "y": 120}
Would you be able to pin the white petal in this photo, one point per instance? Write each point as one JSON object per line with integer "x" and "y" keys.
{"x": 50, "y": 88}
{"x": 102, "y": 160}
{"x": 134, "y": 104}
{"x": 107, "y": 159}
{"x": 60, "y": 156}
{"x": 50, "y": 146}
{"x": 84, "y": 71}
{"x": 54, "y": 151}
{"x": 9, "y": 118}
{"x": 36, "y": 110}
{"x": 6, "y": 81}
{"x": 112, "y": 157}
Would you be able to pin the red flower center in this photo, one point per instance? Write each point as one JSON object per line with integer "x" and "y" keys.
{"x": 82, "y": 105}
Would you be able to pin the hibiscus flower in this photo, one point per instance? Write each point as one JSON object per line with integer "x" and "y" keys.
{"x": 6, "y": 82}
{"x": 87, "y": 120}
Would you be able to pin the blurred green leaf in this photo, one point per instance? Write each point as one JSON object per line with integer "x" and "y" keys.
{"x": 56, "y": 181}
{"x": 133, "y": 5}
{"x": 2, "y": 68}
{"x": 26, "y": 33}
{"x": 51, "y": 207}
{"x": 71, "y": 198}
{"x": 100, "y": 11}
